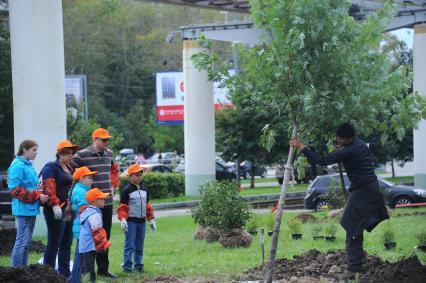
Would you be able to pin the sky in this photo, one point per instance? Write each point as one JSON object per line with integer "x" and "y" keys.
{"x": 405, "y": 34}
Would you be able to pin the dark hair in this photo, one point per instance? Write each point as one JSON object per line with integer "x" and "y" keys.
{"x": 64, "y": 151}
{"x": 346, "y": 131}
{"x": 26, "y": 144}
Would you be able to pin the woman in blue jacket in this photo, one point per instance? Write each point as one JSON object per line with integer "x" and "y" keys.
{"x": 22, "y": 184}
{"x": 83, "y": 178}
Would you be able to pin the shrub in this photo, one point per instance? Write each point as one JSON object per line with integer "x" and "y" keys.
{"x": 334, "y": 194}
{"x": 161, "y": 185}
{"x": 270, "y": 221}
{"x": 316, "y": 230}
{"x": 330, "y": 229}
{"x": 295, "y": 226}
{"x": 221, "y": 207}
{"x": 388, "y": 235}
{"x": 421, "y": 238}
{"x": 253, "y": 224}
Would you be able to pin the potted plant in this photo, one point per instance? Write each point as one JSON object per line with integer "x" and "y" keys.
{"x": 421, "y": 238}
{"x": 295, "y": 226}
{"x": 253, "y": 225}
{"x": 330, "y": 231}
{"x": 316, "y": 231}
{"x": 388, "y": 237}
{"x": 270, "y": 223}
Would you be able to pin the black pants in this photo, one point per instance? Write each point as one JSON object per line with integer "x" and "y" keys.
{"x": 88, "y": 265}
{"x": 354, "y": 252}
{"x": 102, "y": 258}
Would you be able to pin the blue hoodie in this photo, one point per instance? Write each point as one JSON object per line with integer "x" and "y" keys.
{"x": 22, "y": 174}
{"x": 78, "y": 198}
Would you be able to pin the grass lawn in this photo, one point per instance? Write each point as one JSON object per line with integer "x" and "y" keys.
{"x": 404, "y": 179}
{"x": 172, "y": 250}
{"x": 272, "y": 190}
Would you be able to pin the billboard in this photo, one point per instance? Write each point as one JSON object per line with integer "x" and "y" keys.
{"x": 170, "y": 97}
{"x": 76, "y": 94}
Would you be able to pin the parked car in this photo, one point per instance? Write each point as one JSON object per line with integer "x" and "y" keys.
{"x": 394, "y": 194}
{"x": 150, "y": 168}
{"x": 222, "y": 173}
{"x": 246, "y": 168}
{"x": 166, "y": 158}
{"x": 309, "y": 175}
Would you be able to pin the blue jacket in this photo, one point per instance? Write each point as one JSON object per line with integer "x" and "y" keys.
{"x": 86, "y": 243}
{"x": 22, "y": 174}
{"x": 78, "y": 198}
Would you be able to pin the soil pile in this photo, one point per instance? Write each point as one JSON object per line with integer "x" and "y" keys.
{"x": 33, "y": 273}
{"x": 7, "y": 240}
{"x": 330, "y": 266}
{"x": 306, "y": 218}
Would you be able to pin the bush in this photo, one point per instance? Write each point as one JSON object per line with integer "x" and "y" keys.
{"x": 270, "y": 221}
{"x": 421, "y": 238}
{"x": 316, "y": 230}
{"x": 330, "y": 229}
{"x": 388, "y": 235}
{"x": 334, "y": 194}
{"x": 221, "y": 207}
{"x": 295, "y": 226}
{"x": 253, "y": 224}
{"x": 161, "y": 185}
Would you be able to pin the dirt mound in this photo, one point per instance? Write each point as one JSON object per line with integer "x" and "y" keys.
{"x": 306, "y": 218}
{"x": 200, "y": 234}
{"x": 212, "y": 235}
{"x": 33, "y": 273}
{"x": 235, "y": 239}
{"x": 7, "y": 240}
{"x": 330, "y": 266}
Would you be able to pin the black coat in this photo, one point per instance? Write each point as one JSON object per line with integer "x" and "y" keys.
{"x": 364, "y": 209}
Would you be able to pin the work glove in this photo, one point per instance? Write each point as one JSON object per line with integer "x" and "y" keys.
{"x": 124, "y": 225}
{"x": 152, "y": 225}
{"x": 57, "y": 212}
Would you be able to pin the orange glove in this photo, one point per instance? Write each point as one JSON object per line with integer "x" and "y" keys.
{"x": 149, "y": 212}
{"x": 114, "y": 175}
{"x": 25, "y": 195}
{"x": 123, "y": 211}
{"x": 100, "y": 238}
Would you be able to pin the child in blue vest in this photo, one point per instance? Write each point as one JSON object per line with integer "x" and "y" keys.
{"x": 93, "y": 237}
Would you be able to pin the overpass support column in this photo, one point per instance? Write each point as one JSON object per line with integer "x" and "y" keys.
{"x": 199, "y": 123}
{"x": 38, "y": 75}
{"x": 419, "y": 61}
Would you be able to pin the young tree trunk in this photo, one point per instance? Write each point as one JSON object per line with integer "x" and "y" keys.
{"x": 279, "y": 212}
{"x": 393, "y": 169}
{"x": 238, "y": 171}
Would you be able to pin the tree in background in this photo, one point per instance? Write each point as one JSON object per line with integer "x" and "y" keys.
{"x": 6, "y": 104}
{"x": 316, "y": 68}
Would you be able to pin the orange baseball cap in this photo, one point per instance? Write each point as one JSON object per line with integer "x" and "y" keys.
{"x": 95, "y": 194}
{"x": 81, "y": 172}
{"x": 66, "y": 144}
{"x": 135, "y": 168}
{"x": 100, "y": 133}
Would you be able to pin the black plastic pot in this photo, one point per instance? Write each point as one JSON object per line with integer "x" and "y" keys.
{"x": 390, "y": 245}
{"x": 254, "y": 233}
{"x": 422, "y": 248}
{"x": 296, "y": 236}
{"x": 318, "y": 237}
{"x": 330, "y": 238}
{"x": 270, "y": 233}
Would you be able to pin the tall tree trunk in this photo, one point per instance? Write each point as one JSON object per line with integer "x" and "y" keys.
{"x": 393, "y": 168}
{"x": 238, "y": 171}
{"x": 252, "y": 176}
{"x": 279, "y": 212}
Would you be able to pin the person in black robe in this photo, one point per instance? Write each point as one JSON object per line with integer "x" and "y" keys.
{"x": 365, "y": 207}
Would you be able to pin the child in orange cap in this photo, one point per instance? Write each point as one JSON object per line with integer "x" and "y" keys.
{"x": 83, "y": 178}
{"x": 133, "y": 212}
{"x": 93, "y": 237}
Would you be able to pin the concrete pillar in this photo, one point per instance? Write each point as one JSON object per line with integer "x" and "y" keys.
{"x": 199, "y": 127}
{"x": 38, "y": 78}
{"x": 38, "y": 75}
{"x": 419, "y": 61}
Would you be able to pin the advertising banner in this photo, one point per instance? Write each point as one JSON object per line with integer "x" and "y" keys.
{"x": 170, "y": 97}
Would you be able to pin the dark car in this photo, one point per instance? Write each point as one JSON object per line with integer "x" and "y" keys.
{"x": 222, "y": 172}
{"x": 246, "y": 168}
{"x": 394, "y": 194}
{"x": 309, "y": 173}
